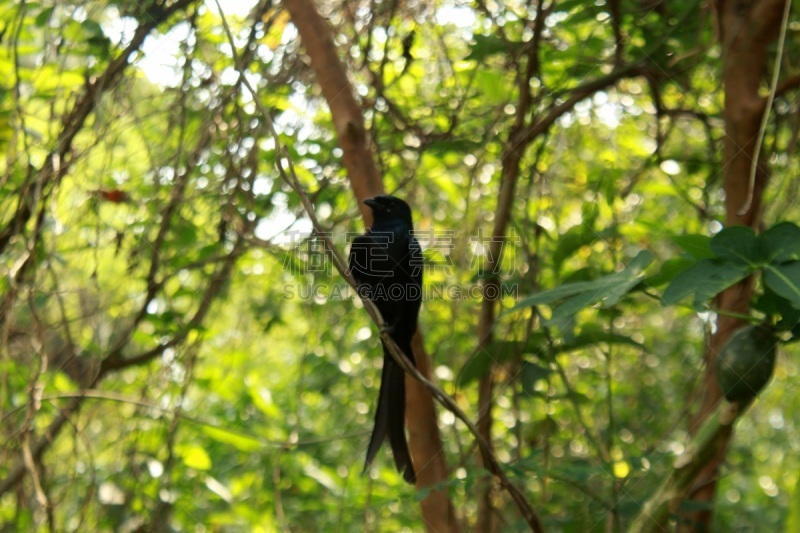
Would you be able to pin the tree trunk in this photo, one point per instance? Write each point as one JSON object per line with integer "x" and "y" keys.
{"x": 425, "y": 441}
{"x": 746, "y": 29}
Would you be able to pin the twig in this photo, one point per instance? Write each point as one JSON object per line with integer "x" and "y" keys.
{"x": 55, "y": 167}
{"x": 448, "y": 403}
{"x": 34, "y": 404}
{"x": 290, "y": 177}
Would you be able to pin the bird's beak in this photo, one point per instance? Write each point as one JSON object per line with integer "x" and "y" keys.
{"x": 374, "y": 204}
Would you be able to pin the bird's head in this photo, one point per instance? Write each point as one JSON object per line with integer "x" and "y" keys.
{"x": 387, "y": 208}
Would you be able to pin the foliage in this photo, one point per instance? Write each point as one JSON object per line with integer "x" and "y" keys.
{"x": 166, "y": 309}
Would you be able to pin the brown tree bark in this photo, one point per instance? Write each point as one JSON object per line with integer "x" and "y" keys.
{"x": 491, "y": 286}
{"x": 746, "y": 30}
{"x": 426, "y": 445}
{"x": 425, "y": 440}
{"x": 315, "y": 33}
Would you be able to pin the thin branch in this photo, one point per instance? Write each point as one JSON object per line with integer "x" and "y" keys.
{"x": 289, "y": 176}
{"x": 424, "y": 435}
{"x": 57, "y": 163}
{"x": 616, "y": 23}
{"x": 576, "y": 95}
{"x": 338, "y": 92}
{"x": 54, "y": 169}
{"x": 767, "y": 108}
{"x": 446, "y": 401}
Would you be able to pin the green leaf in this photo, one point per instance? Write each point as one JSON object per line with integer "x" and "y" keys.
{"x": 530, "y": 374}
{"x": 568, "y": 5}
{"x": 497, "y": 352}
{"x": 774, "y": 305}
{"x": 780, "y": 243}
{"x": 186, "y": 235}
{"x": 639, "y": 262}
{"x": 573, "y": 305}
{"x": 669, "y": 271}
{"x": 737, "y": 244}
{"x": 492, "y": 85}
{"x": 52, "y": 79}
{"x": 241, "y": 442}
{"x": 92, "y": 28}
{"x": 698, "y": 246}
{"x": 705, "y": 279}
{"x": 461, "y": 146}
{"x": 538, "y": 344}
{"x": 262, "y": 399}
{"x": 608, "y": 289}
{"x": 195, "y": 457}
{"x": 73, "y": 31}
{"x": 545, "y": 426}
{"x": 577, "y": 237}
{"x": 631, "y": 276}
{"x": 582, "y": 274}
{"x": 553, "y": 295}
{"x": 62, "y": 383}
{"x": 43, "y": 17}
{"x": 597, "y": 337}
{"x": 487, "y": 46}
{"x": 785, "y": 281}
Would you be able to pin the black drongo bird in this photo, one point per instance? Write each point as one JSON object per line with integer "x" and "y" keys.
{"x": 387, "y": 264}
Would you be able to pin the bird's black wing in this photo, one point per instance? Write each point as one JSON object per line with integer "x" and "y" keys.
{"x": 390, "y": 411}
{"x": 359, "y": 257}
